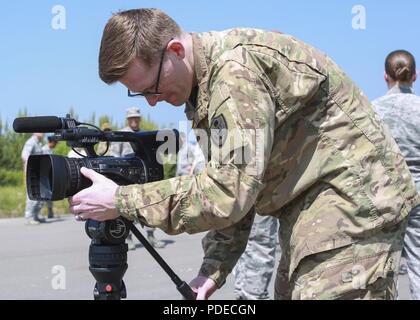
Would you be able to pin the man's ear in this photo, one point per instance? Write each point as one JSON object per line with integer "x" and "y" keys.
{"x": 386, "y": 77}
{"x": 415, "y": 76}
{"x": 176, "y": 47}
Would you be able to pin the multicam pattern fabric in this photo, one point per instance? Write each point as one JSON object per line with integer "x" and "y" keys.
{"x": 318, "y": 158}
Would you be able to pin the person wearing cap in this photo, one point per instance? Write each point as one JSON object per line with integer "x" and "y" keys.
{"x": 120, "y": 149}
{"x": 133, "y": 116}
{"x": 48, "y": 149}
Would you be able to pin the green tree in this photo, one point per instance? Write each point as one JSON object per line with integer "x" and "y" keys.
{"x": 92, "y": 118}
{"x": 22, "y": 113}
{"x": 148, "y": 125}
{"x": 104, "y": 119}
{"x": 73, "y": 113}
{"x": 62, "y": 149}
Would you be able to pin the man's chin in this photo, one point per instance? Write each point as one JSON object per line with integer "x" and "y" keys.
{"x": 178, "y": 104}
{"x": 175, "y": 102}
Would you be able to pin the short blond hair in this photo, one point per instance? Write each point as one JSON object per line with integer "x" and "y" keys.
{"x": 138, "y": 33}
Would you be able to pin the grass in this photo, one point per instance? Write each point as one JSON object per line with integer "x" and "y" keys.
{"x": 13, "y": 200}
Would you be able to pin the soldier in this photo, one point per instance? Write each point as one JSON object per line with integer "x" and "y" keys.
{"x": 32, "y": 146}
{"x": 119, "y": 149}
{"x": 48, "y": 149}
{"x": 400, "y": 110}
{"x": 255, "y": 267}
{"x": 290, "y": 136}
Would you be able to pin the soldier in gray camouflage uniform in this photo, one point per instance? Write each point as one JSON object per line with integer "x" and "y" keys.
{"x": 255, "y": 267}
{"x": 400, "y": 110}
{"x": 48, "y": 149}
{"x": 32, "y": 146}
{"x": 290, "y": 136}
{"x": 133, "y": 116}
{"x": 120, "y": 149}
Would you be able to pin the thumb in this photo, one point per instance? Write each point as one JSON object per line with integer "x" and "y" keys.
{"x": 91, "y": 174}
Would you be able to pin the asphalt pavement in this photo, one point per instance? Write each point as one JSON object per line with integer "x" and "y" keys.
{"x": 50, "y": 261}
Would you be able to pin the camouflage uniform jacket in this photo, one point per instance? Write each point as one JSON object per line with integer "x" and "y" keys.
{"x": 324, "y": 153}
{"x": 400, "y": 110}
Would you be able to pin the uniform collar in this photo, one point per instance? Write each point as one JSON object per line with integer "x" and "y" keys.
{"x": 197, "y": 105}
{"x": 400, "y": 89}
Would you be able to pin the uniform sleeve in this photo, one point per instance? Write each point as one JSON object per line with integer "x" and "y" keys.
{"x": 223, "y": 248}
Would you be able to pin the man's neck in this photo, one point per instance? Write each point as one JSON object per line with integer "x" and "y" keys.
{"x": 189, "y": 51}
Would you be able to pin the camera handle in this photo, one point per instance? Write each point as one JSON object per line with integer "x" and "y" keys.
{"x": 108, "y": 259}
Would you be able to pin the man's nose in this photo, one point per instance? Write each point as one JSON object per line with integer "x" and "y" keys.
{"x": 152, "y": 100}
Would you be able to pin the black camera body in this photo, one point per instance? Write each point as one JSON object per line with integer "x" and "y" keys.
{"x": 52, "y": 177}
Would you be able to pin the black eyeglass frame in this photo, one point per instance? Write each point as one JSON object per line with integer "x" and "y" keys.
{"x": 156, "y": 92}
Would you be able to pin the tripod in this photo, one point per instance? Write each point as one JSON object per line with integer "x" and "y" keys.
{"x": 108, "y": 259}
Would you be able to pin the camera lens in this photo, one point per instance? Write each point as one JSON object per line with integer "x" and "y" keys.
{"x": 52, "y": 177}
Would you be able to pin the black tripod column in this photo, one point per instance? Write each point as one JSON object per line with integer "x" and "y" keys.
{"x": 108, "y": 264}
{"x": 108, "y": 257}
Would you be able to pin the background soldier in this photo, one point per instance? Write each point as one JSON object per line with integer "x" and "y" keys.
{"x": 255, "y": 267}
{"x": 120, "y": 149}
{"x": 133, "y": 116}
{"x": 400, "y": 110}
{"x": 290, "y": 136}
{"x": 48, "y": 149}
{"x": 32, "y": 146}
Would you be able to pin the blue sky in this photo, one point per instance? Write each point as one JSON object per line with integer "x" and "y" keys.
{"x": 47, "y": 70}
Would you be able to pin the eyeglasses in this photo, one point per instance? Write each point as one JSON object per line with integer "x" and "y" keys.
{"x": 151, "y": 93}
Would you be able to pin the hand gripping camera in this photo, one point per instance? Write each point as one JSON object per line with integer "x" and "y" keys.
{"x": 52, "y": 177}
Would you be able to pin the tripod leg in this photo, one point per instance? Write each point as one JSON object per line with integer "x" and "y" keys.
{"x": 182, "y": 286}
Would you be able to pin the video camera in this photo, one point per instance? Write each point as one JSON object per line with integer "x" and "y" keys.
{"x": 53, "y": 177}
